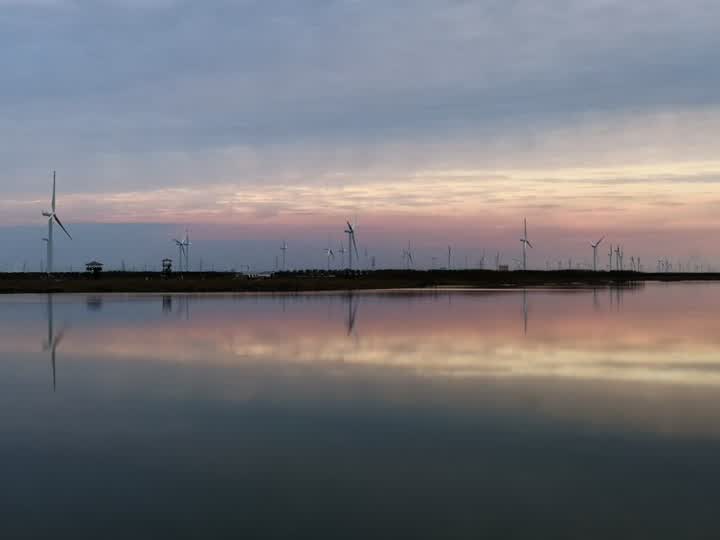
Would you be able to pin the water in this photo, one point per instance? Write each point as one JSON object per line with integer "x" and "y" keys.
{"x": 540, "y": 414}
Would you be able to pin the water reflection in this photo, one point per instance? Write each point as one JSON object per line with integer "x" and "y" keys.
{"x": 433, "y": 414}
{"x": 94, "y": 303}
{"x": 181, "y": 301}
{"x": 352, "y": 302}
{"x": 53, "y": 339}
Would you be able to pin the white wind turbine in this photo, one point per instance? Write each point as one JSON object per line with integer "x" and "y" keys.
{"x": 52, "y": 218}
{"x": 284, "y": 249}
{"x": 525, "y": 242}
{"x": 594, "y": 248}
{"x": 330, "y": 255}
{"x": 408, "y": 257}
{"x": 342, "y": 252}
{"x": 187, "y": 245}
{"x": 352, "y": 244}
{"x": 181, "y": 253}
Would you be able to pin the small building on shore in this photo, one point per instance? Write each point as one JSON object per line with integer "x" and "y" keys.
{"x": 94, "y": 267}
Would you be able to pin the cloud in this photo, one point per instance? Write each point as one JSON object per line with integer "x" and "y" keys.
{"x": 183, "y": 75}
{"x": 276, "y": 112}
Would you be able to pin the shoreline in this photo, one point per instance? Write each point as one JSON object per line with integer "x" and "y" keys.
{"x": 322, "y": 281}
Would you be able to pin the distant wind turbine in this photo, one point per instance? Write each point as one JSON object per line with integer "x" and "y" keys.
{"x": 342, "y": 252}
{"x": 408, "y": 257}
{"x": 525, "y": 242}
{"x": 352, "y": 244}
{"x": 284, "y": 249}
{"x": 330, "y": 255}
{"x": 181, "y": 253}
{"x": 52, "y": 219}
{"x": 187, "y": 245}
{"x": 594, "y": 248}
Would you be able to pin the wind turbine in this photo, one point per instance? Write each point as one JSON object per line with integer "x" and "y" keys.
{"x": 525, "y": 242}
{"x": 352, "y": 244}
{"x": 594, "y": 247}
{"x": 407, "y": 257}
{"x": 187, "y": 245}
{"x": 284, "y": 249}
{"x": 342, "y": 252}
{"x": 330, "y": 255}
{"x": 449, "y": 265}
{"x": 52, "y": 218}
{"x": 181, "y": 253}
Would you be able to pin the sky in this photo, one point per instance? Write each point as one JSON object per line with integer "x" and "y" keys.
{"x": 432, "y": 122}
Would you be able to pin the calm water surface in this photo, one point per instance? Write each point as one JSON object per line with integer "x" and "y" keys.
{"x": 539, "y": 414}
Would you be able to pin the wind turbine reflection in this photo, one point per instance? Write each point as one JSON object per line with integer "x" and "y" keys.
{"x": 53, "y": 339}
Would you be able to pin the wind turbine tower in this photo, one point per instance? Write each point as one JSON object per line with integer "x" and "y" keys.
{"x": 407, "y": 255}
{"x": 181, "y": 253}
{"x": 525, "y": 242}
{"x": 352, "y": 244}
{"x": 330, "y": 255}
{"x": 284, "y": 249}
{"x": 52, "y": 219}
{"x": 594, "y": 248}
{"x": 187, "y": 250}
{"x": 342, "y": 251}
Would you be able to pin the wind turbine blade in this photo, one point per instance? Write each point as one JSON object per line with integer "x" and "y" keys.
{"x": 357, "y": 254}
{"x": 62, "y": 226}
{"x": 528, "y": 243}
{"x": 59, "y": 337}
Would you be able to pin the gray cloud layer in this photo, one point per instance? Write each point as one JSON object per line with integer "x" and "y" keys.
{"x": 83, "y": 77}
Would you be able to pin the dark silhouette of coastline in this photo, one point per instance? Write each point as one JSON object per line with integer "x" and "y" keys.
{"x": 317, "y": 280}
